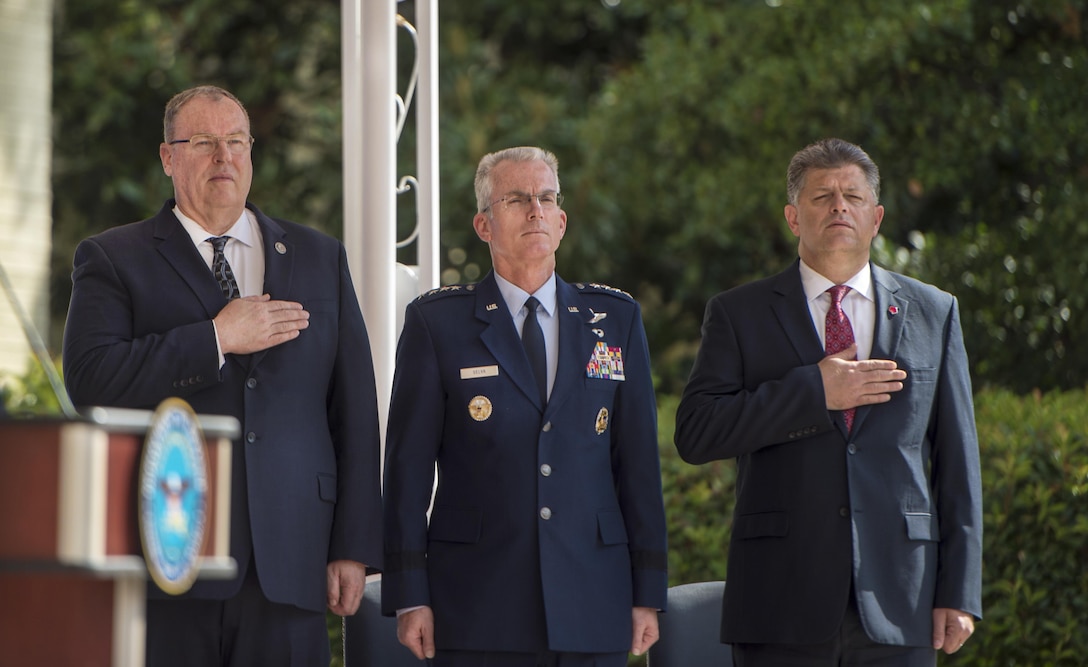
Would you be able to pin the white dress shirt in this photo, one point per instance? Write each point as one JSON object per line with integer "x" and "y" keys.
{"x": 244, "y": 251}
{"x": 858, "y": 304}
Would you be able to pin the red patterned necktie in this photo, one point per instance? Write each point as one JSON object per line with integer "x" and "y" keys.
{"x": 839, "y": 335}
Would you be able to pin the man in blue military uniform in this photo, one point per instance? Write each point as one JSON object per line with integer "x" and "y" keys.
{"x": 546, "y": 543}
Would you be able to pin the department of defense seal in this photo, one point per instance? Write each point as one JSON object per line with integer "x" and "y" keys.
{"x": 173, "y": 502}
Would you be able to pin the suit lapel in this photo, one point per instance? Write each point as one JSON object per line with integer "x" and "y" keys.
{"x": 890, "y": 316}
{"x": 279, "y": 256}
{"x": 279, "y": 264}
{"x": 177, "y": 248}
{"x": 576, "y": 342}
{"x": 791, "y": 309}
{"x": 502, "y": 339}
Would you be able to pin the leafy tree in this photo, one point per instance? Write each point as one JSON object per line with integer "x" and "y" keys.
{"x": 971, "y": 107}
{"x": 117, "y": 63}
{"x": 673, "y": 123}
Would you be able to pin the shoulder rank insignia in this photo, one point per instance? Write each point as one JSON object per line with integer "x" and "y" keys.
{"x": 604, "y": 289}
{"x": 447, "y": 289}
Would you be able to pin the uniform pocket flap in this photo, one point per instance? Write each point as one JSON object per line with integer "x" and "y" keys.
{"x": 922, "y": 526}
{"x": 455, "y": 525}
{"x": 610, "y": 524}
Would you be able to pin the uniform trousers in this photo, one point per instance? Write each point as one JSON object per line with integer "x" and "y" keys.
{"x": 243, "y": 631}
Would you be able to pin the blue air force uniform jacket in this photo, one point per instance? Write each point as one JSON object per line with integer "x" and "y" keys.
{"x": 548, "y": 523}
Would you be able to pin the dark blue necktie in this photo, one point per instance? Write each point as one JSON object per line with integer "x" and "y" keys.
{"x": 532, "y": 338}
{"x": 222, "y": 270}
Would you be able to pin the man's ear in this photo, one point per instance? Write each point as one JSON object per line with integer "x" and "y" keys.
{"x": 167, "y": 158}
{"x": 481, "y": 222}
{"x": 791, "y": 219}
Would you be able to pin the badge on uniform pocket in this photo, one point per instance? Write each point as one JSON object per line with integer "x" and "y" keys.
{"x": 602, "y": 421}
{"x": 479, "y": 408}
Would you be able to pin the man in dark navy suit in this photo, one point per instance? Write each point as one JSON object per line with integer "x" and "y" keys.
{"x": 546, "y": 543}
{"x": 241, "y": 314}
{"x": 843, "y": 391}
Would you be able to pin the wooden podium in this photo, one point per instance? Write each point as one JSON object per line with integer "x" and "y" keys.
{"x": 72, "y": 574}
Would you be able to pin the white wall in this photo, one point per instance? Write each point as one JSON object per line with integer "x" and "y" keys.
{"x": 25, "y": 156}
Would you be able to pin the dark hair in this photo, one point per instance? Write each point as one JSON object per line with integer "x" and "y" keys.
{"x": 829, "y": 154}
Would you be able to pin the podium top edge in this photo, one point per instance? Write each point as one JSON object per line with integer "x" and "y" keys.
{"x": 137, "y": 421}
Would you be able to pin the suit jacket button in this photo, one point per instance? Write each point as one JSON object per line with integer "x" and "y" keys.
{"x": 545, "y": 470}
{"x": 251, "y": 437}
{"x": 251, "y": 382}
{"x": 547, "y": 427}
{"x": 843, "y": 511}
{"x": 852, "y": 448}
{"x": 545, "y": 513}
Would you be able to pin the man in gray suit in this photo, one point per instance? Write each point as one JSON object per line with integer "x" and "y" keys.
{"x": 843, "y": 391}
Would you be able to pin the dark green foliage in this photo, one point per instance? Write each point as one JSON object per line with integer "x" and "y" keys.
{"x": 673, "y": 123}
{"x": 972, "y": 108}
{"x": 698, "y": 507}
{"x": 28, "y": 394}
{"x": 116, "y": 64}
{"x": 1035, "y": 485}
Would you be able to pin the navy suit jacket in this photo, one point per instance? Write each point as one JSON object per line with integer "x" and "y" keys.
{"x": 894, "y": 506}
{"x": 306, "y": 468}
{"x": 548, "y": 523}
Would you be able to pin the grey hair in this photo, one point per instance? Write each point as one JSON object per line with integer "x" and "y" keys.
{"x": 214, "y": 93}
{"x": 829, "y": 154}
{"x": 516, "y": 154}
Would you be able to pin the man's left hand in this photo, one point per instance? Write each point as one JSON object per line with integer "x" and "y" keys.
{"x": 951, "y": 628}
{"x": 346, "y": 580}
{"x": 645, "y": 629}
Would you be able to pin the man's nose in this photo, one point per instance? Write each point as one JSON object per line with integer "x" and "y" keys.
{"x": 221, "y": 152}
{"x": 536, "y": 209}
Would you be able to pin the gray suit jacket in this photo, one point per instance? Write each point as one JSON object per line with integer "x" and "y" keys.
{"x": 893, "y": 507}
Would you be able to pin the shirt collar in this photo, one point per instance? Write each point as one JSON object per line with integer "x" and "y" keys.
{"x": 515, "y": 297}
{"x": 815, "y": 284}
{"x": 244, "y": 228}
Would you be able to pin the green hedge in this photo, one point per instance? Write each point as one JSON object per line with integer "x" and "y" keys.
{"x": 1035, "y": 546}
